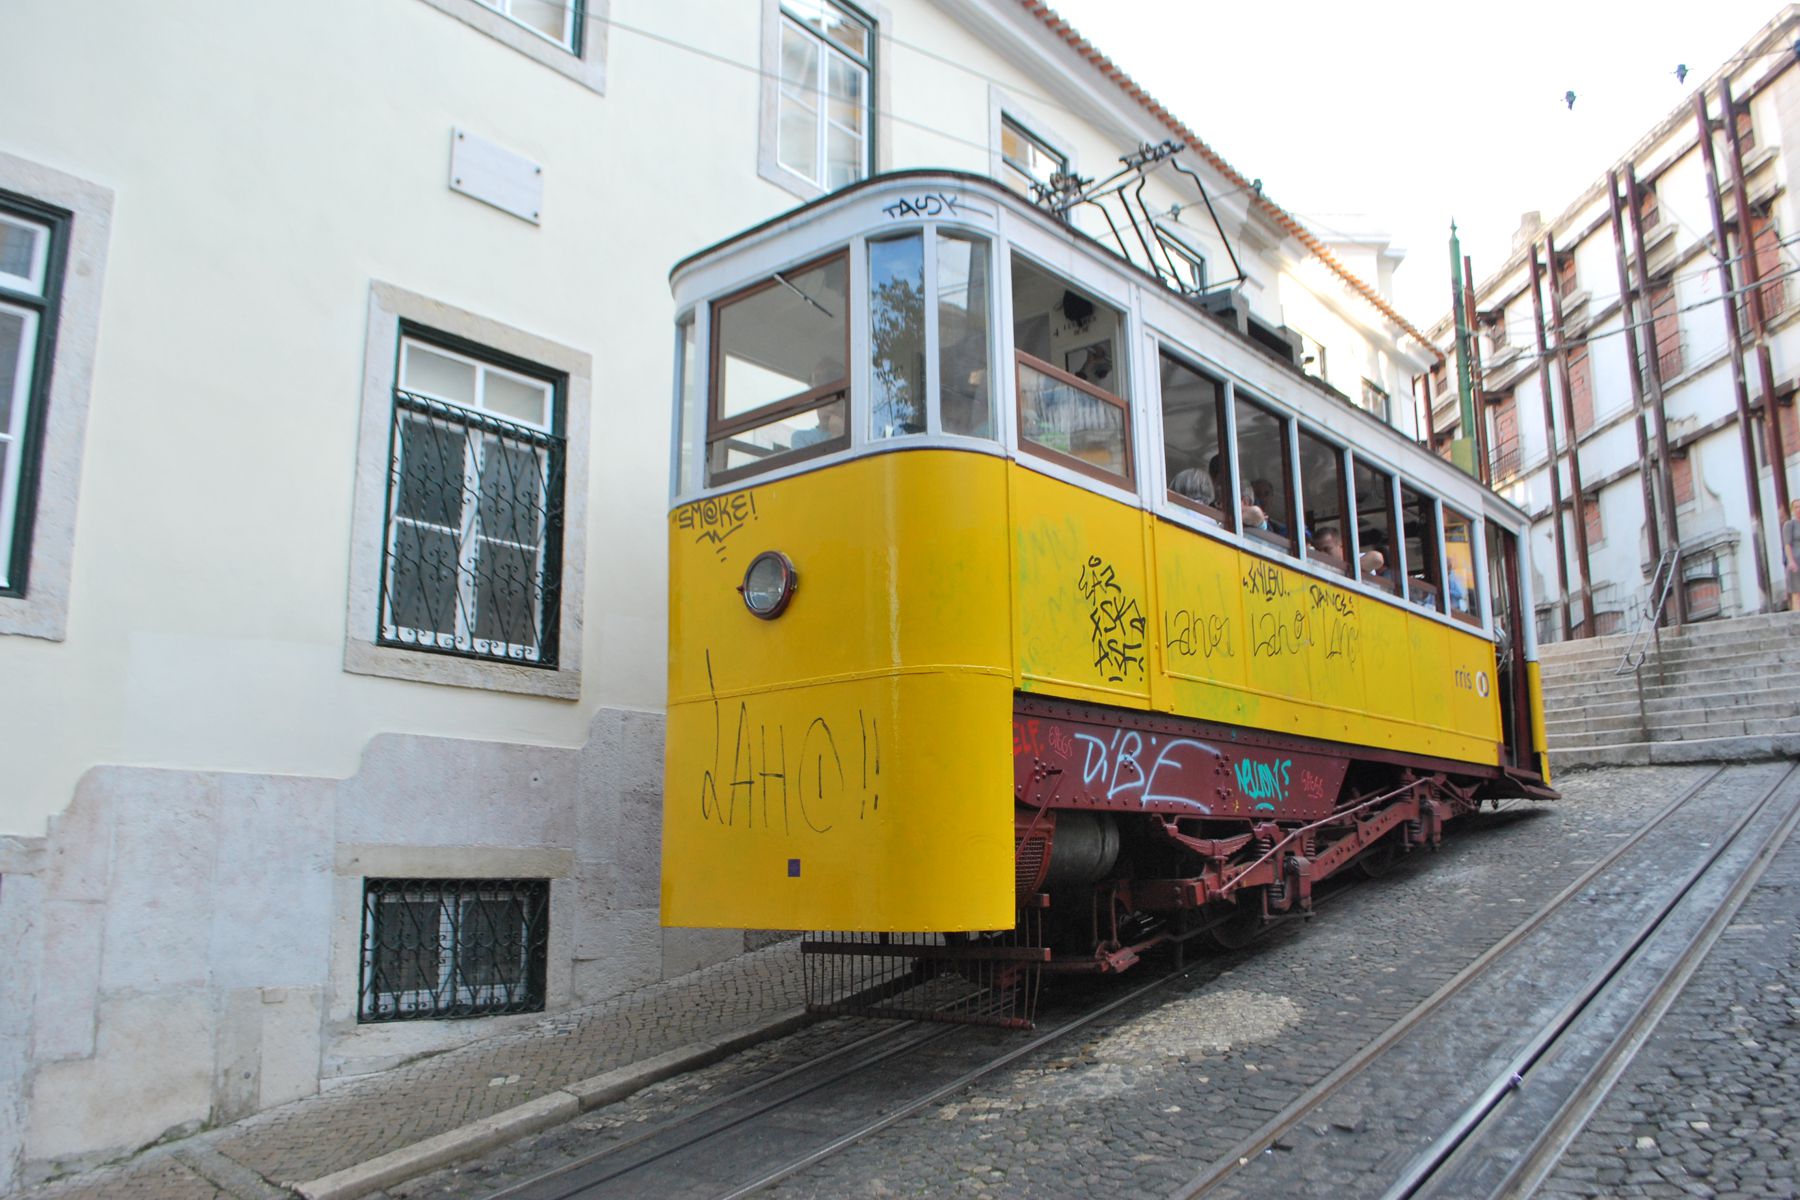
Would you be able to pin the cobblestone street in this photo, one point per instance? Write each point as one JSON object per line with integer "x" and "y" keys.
{"x": 1151, "y": 1094}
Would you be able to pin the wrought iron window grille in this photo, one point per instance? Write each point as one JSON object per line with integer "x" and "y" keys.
{"x": 472, "y": 558}
{"x": 447, "y": 948}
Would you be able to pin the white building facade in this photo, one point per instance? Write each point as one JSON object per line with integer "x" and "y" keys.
{"x": 336, "y": 355}
{"x": 1684, "y": 349}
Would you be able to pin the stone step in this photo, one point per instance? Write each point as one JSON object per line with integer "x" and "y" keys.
{"x": 1698, "y": 731}
{"x": 1717, "y": 749}
{"x": 1747, "y": 676}
{"x": 1757, "y": 630}
{"x": 1677, "y": 666}
{"x": 1723, "y": 688}
{"x": 1669, "y": 720}
{"x": 1676, "y": 656}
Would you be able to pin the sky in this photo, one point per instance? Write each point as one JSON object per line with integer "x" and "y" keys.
{"x": 1402, "y": 115}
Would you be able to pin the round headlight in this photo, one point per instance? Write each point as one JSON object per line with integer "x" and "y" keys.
{"x": 769, "y": 584}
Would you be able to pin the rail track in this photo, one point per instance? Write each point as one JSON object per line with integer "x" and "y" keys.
{"x": 1507, "y": 1140}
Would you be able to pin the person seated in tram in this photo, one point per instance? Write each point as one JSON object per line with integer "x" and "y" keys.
{"x": 829, "y": 429}
{"x": 1262, "y": 493}
{"x": 1195, "y": 484}
{"x": 1327, "y": 545}
{"x": 1253, "y": 516}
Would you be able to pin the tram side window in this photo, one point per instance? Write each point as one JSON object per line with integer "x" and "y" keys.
{"x": 1265, "y": 484}
{"x": 1071, "y": 366}
{"x": 1459, "y": 567}
{"x": 962, "y": 330}
{"x": 1324, "y": 502}
{"x": 897, "y": 336}
{"x": 1375, "y": 526}
{"x": 779, "y": 382}
{"x": 1424, "y": 575}
{"x": 1193, "y": 405}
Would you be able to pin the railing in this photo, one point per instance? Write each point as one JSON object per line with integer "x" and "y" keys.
{"x": 1668, "y": 569}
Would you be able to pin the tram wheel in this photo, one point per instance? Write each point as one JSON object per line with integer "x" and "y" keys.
{"x": 1237, "y": 928}
{"x": 1380, "y": 858}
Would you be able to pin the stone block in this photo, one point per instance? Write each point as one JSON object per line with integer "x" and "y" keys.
{"x": 641, "y": 743}
{"x": 639, "y": 839}
{"x": 81, "y": 837}
{"x": 21, "y": 941}
{"x": 686, "y": 950}
{"x": 69, "y": 994}
{"x": 271, "y": 919}
{"x": 237, "y": 1057}
{"x": 160, "y": 903}
{"x": 448, "y": 791}
{"x": 597, "y": 789}
{"x": 292, "y": 1027}
{"x": 151, "y": 1074}
{"x": 629, "y": 955}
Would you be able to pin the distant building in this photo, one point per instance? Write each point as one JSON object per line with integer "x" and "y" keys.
{"x": 1684, "y": 350}
{"x": 336, "y": 365}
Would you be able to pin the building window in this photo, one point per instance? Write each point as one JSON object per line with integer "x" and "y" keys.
{"x": 1787, "y": 413}
{"x": 823, "y": 105}
{"x": 1649, "y": 210}
{"x": 469, "y": 519}
{"x": 437, "y": 948}
{"x": 1565, "y": 273}
{"x": 1375, "y": 400}
{"x": 1312, "y": 354}
{"x": 1681, "y": 477}
{"x": 1505, "y": 447}
{"x": 1590, "y": 515}
{"x": 1665, "y": 325}
{"x": 1581, "y": 389}
{"x": 1031, "y": 163}
{"x": 475, "y": 502}
{"x": 1773, "y": 287}
{"x": 558, "y": 20}
{"x": 32, "y": 250}
{"x": 567, "y": 36}
{"x": 1746, "y": 131}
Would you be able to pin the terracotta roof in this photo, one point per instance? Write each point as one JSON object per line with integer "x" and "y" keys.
{"x": 1189, "y": 138}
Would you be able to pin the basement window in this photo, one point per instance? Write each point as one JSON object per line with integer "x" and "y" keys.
{"x": 447, "y": 948}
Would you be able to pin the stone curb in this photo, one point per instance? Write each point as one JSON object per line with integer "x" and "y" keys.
{"x": 477, "y": 1137}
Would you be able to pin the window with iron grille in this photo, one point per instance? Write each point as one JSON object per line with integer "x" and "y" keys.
{"x": 31, "y": 263}
{"x": 1505, "y": 445}
{"x": 436, "y": 948}
{"x": 1665, "y": 325}
{"x": 1581, "y": 389}
{"x": 475, "y": 506}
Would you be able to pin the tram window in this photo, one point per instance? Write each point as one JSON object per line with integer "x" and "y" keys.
{"x": 1193, "y": 406}
{"x": 1071, "y": 366}
{"x": 1265, "y": 483}
{"x": 897, "y": 336}
{"x": 779, "y": 380}
{"x": 690, "y": 397}
{"x": 1375, "y": 526}
{"x": 1459, "y": 567}
{"x": 962, "y": 330}
{"x": 1418, "y": 517}
{"x": 1324, "y": 503}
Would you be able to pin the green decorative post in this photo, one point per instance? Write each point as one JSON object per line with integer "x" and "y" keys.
{"x": 1462, "y": 448}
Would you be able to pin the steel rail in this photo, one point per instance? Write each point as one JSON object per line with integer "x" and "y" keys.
{"x": 533, "y": 1187}
{"x": 1308, "y": 1101}
{"x": 1419, "y": 1173}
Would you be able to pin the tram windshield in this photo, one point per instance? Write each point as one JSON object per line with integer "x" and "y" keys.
{"x": 780, "y": 374}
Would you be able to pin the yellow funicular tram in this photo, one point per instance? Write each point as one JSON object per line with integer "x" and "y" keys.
{"x": 1013, "y": 590}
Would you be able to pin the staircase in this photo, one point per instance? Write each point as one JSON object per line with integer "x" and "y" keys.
{"x": 1720, "y": 691}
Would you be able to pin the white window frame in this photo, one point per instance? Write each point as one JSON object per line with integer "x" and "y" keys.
{"x": 364, "y": 654}
{"x": 582, "y": 60}
{"x": 874, "y": 18}
{"x": 1017, "y": 170}
{"x": 43, "y": 608}
{"x": 467, "y": 582}
{"x": 1004, "y": 110}
{"x": 574, "y": 14}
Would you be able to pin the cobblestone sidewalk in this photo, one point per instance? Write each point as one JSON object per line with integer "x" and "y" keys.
{"x": 356, "y": 1122}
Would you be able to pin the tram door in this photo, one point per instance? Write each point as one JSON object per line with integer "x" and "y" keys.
{"x": 1510, "y": 684}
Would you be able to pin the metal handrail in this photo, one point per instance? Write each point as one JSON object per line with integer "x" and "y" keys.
{"x": 1637, "y": 651}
